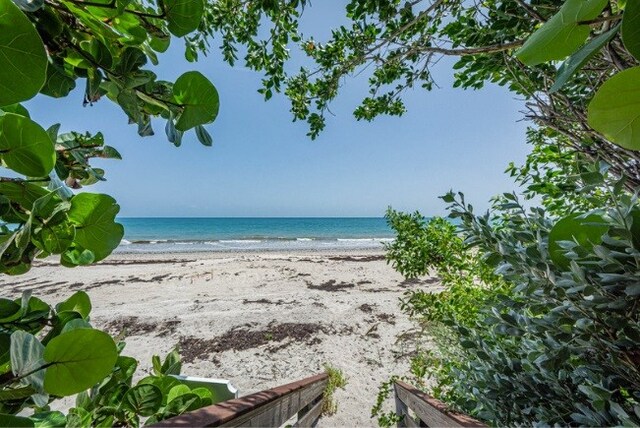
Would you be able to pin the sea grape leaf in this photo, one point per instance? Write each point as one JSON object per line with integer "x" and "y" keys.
{"x": 49, "y": 419}
{"x": 576, "y": 61}
{"x": 25, "y": 147}
{"x": 199, "y": 98}
{"x": 22, "y": 193}
{"x": 614, "y": 111}
{"x": 15, "y": 421}
{"x": 23, "y": 60}
{"x": 561, "y": 35}
{"x": 631, "y": 28}
{"x": 78, "y": 360}
{"x": 78, "y": 302}
{"x": 94, "y": 217}
{"x": 55, "y": 239}
{"x": 58, "y": 84}
{"x": 15, "y": 108}
{"x": 9, "y": 310}
{"x": 26, "y": 357}
{"x": 203, "y": 136}
{"x": 584, "y": 230}
{"x": 143, "y": 400}
{"x": 183, "y": 16}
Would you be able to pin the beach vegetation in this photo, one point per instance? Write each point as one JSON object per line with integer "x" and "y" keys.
{"x": 50, "y": 352}
{"x": 336, "y": 380}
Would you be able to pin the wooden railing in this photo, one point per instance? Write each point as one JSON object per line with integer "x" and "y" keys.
{"x": 269, "y": 408}
{"x": 418, "y": 409}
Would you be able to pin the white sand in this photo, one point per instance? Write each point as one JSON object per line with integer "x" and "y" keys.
{"x": 178, "y": 297}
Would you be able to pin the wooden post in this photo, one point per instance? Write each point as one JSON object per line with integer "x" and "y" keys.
{"x": 431, "y": 412}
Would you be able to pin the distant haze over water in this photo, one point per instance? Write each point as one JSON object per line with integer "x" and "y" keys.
{"x": 188, "y": 234}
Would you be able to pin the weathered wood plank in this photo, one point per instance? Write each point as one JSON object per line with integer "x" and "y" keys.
{"x": 409, "y": 421}
{"x": 310, "y": 418}
{"x": 431, "y": 411}
{"x": 402, "y": 411}
{"x": 271, "y": 407}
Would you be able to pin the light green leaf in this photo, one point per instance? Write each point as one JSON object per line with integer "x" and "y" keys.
{"x": 23, "y": 60}
{"x": 78, "y": 360}
{"x": 585, "y": 231}
{"x": 49, "y": 419}
{"x": 199, "y": 98}
{"x": 561, "y": 35}
{"x": 631, "y": 28}
{"x": 615, "y": 109}
{"x": 183, "y": 16}
{"x": 94, "y": 217}
{"x": 55, "y": 239}
{"x": 26, "y": 358}
{"x": 78, "y": 302}
{"x": 576, "y": 61}
{"x": 143, "y": 400}
{"x": 25, "y": 147}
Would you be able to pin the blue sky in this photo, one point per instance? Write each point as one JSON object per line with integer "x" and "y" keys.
{"x": 262, "y": 164}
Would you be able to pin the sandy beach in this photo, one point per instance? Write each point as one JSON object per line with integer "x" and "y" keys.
{"x": 257, "y": 319}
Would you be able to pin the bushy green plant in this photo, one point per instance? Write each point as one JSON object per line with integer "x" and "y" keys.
{"x": 336, "y": 380}
{"x": 52, "y": 352}
{"x": 436, "y": 246}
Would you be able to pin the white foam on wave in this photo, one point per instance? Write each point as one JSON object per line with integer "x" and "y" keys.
{"x": 240, "y": 241}
{"x": 304, "y": 239}
{"x": 184, "y": 243}
{"x": 125, "y": 242}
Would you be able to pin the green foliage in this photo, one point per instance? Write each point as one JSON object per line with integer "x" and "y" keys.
{"x": 436, "y": 247}
{"x": 24, "y": 146}
{"x": 47, "y": 352}
{"x": 631, "y": 28}
{"x": 336, "y": 380}
{"x": 23, "y": 62}
{"x": 572, "y": 233}
{"x": 561, "y": 35}
{"x": 615, "y": 109}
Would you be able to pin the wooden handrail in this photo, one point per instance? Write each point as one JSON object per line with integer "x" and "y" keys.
{"x": 271, "y": 407}
{"x": 430, "y": 412}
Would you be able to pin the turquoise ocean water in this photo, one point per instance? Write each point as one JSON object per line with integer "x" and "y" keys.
{"x": 162, "y": 234}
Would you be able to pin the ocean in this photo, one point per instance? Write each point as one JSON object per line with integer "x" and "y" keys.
{"x": 164, "y": 235}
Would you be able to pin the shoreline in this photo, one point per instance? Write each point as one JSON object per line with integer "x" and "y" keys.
{"x": 260, "y": 319}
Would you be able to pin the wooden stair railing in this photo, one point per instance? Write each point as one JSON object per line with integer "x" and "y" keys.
{"x": 428, "y": 411}
{"x": 268, "y": 408}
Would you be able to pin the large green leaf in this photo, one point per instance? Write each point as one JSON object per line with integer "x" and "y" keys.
{"x": 143, "y": 400}
{"x": 615, "y": 109}
{"x": 25, "y": 147}
{"x": 576, "y": 61}
{"x": 586, "y": 231}
{"x": 23, "y": 60}
{"x": 199, "y": 98}
{"x": 94, "y": 217}
{"x": 631, "y": 28}
{"x": 78, "y": 302}
{"x": 78, "y": 360}
{"x": 561, "y": 35}
{"x": 183, "y": 16}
